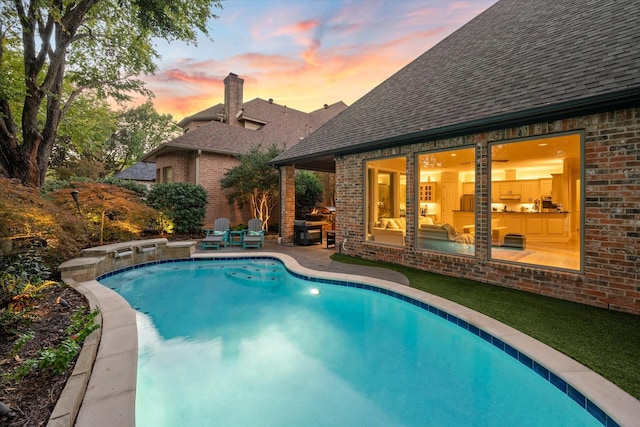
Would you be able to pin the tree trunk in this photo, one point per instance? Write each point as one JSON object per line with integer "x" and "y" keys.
{"x": 28, "y": 159}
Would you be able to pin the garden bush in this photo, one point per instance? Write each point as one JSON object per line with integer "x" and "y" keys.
{"x": 309, "y": 192}
{"x": 182, "y": 203}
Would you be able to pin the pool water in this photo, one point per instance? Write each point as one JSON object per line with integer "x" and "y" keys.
{"x": 244, "y": 343}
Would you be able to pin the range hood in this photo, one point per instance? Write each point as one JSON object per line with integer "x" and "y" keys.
{"x": 509, "y": 196}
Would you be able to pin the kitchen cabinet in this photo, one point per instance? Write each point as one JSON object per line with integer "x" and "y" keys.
{"x": 462, "y": 219}
{"x": 530, "y": 191}
{"x": 468, "y": 188}
{"x": 545, "y": 187}
{"x": 427, "y": 192}
{"x": 536, "y": 226}
{"x": 495, "y": 192}
{"x": 510, "y": 188}
{"x": 514, "y": 224}
{"x": 533, "y": 226}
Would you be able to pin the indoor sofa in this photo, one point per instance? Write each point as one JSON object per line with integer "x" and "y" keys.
{"x": 390, "y": 230}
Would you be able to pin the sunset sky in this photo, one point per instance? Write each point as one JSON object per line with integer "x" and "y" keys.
{"x": 303, "y": 53}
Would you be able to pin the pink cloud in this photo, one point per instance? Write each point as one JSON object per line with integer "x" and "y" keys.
{"x": 298, "y": 27}
{"x": 335, "y": 58}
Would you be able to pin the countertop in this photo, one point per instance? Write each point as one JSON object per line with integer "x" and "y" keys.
{"x": 518, "y": 212}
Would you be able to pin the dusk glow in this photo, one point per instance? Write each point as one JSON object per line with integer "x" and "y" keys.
{"x": 303, "y": 54}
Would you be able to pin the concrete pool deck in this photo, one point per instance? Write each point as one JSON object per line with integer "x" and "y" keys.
{"x": 109, "y": 367}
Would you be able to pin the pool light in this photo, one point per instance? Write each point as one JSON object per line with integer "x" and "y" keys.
{"x": 315, "y": 291}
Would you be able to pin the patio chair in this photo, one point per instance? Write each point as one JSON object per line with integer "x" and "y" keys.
{"x": 217, "y": 236}
{"x": 254, "y": 235}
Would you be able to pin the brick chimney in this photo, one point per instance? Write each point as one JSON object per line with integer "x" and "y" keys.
{"x": 232, "y": 98}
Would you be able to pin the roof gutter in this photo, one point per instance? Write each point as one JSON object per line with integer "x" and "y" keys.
{"x": 609, "y": 101}
{"x": 150, "y": 157}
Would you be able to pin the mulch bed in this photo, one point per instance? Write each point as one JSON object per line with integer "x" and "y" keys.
{"x": 32, "y": 399}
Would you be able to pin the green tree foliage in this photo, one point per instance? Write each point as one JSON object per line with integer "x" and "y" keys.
{"x": 140, "y": 130}
{"x": 309, "y": 192}
{"x": 83, "y": 45}
{"x": 183, "y": 203}
{"x": 254, "y": 182}
{"x": 82, "y": 135}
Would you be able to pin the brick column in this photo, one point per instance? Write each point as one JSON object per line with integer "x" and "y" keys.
{"x": 287, "y": 202}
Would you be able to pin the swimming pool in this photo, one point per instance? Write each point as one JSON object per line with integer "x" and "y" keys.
{"x": 243, "y": 342}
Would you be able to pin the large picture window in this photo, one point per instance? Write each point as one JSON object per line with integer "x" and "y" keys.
{"x": 386, "y": 200}
{"x": 445, "y": 201}
{"x": 536, "y": 201}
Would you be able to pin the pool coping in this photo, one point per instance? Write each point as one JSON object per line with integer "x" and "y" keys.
{"x": 109, "y": 398}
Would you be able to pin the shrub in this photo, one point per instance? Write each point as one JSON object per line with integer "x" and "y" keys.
{"x": 108, "y": 213}
{"x": 28, "y": 265}
{"x": 308, "y": 192}
{"x": 137, "y": 188}
{"x": 183, "y": 203}
{"x": 59, "y": 184}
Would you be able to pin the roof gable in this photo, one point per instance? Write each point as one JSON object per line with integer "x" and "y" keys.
{"x": 211, "y": 113}
{"x": 517, "y": 56}
{"x": 284, "y": 127}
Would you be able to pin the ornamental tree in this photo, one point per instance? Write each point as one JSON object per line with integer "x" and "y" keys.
{"x": 254, "y": 182}
{"x": 98, "y": 45}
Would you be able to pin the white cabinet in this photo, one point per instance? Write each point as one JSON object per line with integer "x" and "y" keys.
{"x": 530, "y": 191}
{"x": 545, "y": 187}
{"x": 510, "y": 188}
{"x": 463, "y": 219}
{"x": 468, "y": 188}
{"x": 495, "y": 192}
{"x": 542, "y": 226}
{"x": 513, "y": 223}
{"x": 427, "y": 192}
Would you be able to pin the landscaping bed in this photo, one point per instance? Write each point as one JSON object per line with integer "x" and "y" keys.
{"x": 31, "y": 400}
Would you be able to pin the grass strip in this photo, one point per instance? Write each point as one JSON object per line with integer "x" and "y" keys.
{"x": 606, "y": 341}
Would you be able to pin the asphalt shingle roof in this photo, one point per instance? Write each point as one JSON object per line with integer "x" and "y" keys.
{"x": 211, "y": 113}
{"x": 284, "y": 127}
{"x": 516, "y": 57}
{"x": 139, "y": 171}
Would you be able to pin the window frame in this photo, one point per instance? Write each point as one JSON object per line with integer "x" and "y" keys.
{"x": 369, "y": 222}
{"x": 469, "y": 249}
{"x": 578, "y": 183}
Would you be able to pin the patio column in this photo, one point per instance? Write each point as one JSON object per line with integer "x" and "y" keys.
{"x": 287, "y": 202}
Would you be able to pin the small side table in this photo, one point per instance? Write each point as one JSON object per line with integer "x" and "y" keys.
{"x": 331, "y": 238}
{"x": 235, "y": 237}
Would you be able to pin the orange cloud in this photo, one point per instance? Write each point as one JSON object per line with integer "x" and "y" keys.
{"x": 331, "y": 59}
{"x": 299, "y": 27}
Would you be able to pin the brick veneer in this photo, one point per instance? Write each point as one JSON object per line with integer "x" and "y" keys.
{"x": 611, "y": 276}
{"x": 288, "y": 202}
{"x": 211, "y": 169}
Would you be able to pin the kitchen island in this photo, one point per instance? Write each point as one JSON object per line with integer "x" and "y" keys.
{"x": 536, "y": 226}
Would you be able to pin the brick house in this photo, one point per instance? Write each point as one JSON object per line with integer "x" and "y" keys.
{"x": 509, "y": 153}
{"x": 215, "y": 136}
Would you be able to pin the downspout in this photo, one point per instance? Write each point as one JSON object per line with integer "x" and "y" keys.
{"x": 198, "y": 166}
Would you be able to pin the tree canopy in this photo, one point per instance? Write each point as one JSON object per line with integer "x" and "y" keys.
{"x": 309, "y": 192}
{"x": 139, "y": 130}
{"x": 51, "y": 52}
{"x": 254, "y": 182}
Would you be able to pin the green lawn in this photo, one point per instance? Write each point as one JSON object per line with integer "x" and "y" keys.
{"x": 606, "y": 341}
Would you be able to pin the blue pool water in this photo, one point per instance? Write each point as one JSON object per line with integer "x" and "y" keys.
{"x": 244, "y": 343}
